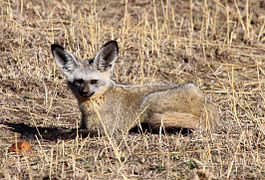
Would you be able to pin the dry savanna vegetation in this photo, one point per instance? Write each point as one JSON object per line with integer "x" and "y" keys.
{"x": 219, "y": 45}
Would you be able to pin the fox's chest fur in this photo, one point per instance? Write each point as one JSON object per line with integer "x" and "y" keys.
{"x": 117, "y": 110}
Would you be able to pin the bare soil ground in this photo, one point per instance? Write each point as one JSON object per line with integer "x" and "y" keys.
{"x": 218, "y": 45}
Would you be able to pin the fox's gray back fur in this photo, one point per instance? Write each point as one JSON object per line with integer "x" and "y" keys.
{"x": 110, "y": 107}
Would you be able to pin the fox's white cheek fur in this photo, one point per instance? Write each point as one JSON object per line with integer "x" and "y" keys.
{"x": 98, "y": 87}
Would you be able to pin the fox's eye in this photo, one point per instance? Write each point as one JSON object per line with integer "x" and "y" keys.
{"x": 93, "y": 81}
{"x": 79, "y": 81}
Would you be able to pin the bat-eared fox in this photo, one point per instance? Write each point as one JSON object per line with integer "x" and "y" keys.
{"x": 108, "y": 107}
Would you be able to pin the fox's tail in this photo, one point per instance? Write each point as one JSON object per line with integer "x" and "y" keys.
{"x": 207, "y": 119}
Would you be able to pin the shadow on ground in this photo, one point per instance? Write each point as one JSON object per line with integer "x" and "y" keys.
{"x": 55, "y": 133}
{"x": 48, "y": 133}
{"x": 145, "y": 128}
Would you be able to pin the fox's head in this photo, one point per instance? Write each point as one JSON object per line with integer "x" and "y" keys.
{"x": 87, "y": 78}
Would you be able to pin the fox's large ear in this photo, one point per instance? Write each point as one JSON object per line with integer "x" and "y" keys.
{"x": 65, "y": 60}
{"x": 106, "y": 56}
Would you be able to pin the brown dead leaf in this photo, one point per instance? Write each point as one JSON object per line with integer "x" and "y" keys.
{"x": 20, "y": 147}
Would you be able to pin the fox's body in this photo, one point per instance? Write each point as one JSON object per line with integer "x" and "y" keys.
{"x": 108, "y": 107}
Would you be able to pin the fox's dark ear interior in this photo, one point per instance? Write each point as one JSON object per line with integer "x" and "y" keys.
{"x": 65, "y": 60}
{"x": 113, "y": 45}
{"x": 106, "y": 56}
{"x": 54, "y": 46}
{"x": 57, "y": 50}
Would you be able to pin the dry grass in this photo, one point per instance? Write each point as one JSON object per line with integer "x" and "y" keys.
{"x": 218, "y": 45}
